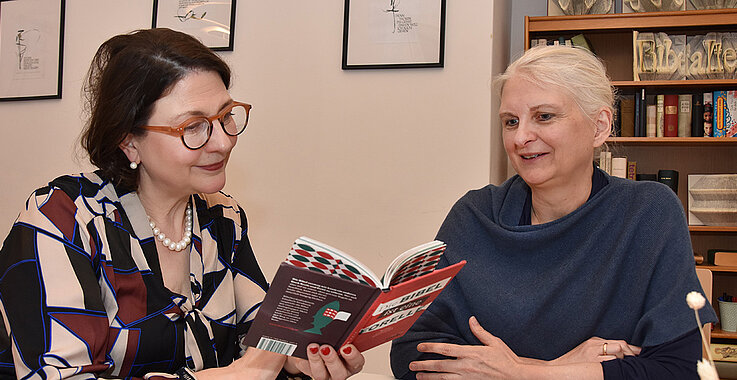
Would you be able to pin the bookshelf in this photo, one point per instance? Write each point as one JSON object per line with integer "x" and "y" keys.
{"x": 610, "y": 37}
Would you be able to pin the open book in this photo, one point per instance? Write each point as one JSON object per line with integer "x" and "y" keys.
{"x": 322, "y": 295}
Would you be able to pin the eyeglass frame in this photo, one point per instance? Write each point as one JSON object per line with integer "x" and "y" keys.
{"x": 179, "y": 129}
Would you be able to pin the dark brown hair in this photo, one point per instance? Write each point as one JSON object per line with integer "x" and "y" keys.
{"x": 128, "y": 74}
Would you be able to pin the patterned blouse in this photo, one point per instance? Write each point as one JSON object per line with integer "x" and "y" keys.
{"x": 82, "y": 296}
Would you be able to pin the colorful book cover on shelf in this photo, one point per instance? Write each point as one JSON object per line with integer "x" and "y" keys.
{"x": 632, "y": 170}
{"x": 322, "y": 295}
{"x": 659, "y": 115}
{"x": 708, "y": 114}
{"x": 721, "y": 114}
{"x": 730, "y": 114}
{"x": 684, "y": 115}
{"x": 697, "y": 116}
{"x": 670, "y": 115}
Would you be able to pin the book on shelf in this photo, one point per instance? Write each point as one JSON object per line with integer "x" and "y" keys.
{"x": 605, "y": 161}
{"x": 725, "y": 258}
{"x": 670, "y": 115}
{"x": 724, "y": 352}
{"x": 632, "y": 170}
{"x": 581, "y": 41}
{"x": 627, "y": 115}
{"x": 640, "y": 114}
{"x": 619, "y": 167}
{"x": 651, "y": 120}
{"x": 725, "y": 114}
{"x": 708, "y": 114}
{"x": 659, "y": 115}
{"x": 684, "y": 115}
{"x": 322, "y": 295}
{"x": 697, "y": 116}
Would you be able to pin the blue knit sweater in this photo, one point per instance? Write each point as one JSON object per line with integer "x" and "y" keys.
{"x": 618, "y": 267}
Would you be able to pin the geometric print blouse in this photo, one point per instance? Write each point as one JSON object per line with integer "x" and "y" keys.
{"x": 82, "y": 296}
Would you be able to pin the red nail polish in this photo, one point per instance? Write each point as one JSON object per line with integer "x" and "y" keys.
{"x": 325, "y": 350}
{"x": 314, "y": 349}
{"x": 347, "y": 350}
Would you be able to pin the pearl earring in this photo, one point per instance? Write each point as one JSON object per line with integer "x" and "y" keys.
{"x": 133, "y": 165}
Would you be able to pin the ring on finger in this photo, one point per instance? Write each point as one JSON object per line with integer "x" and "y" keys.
{"x": 603, "y": 349}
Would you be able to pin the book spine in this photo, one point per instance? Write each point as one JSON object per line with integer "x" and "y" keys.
{"x": 632, "y": 170}
{"x": 651, "y": 120}
{"x": 720, "y": 113}
{"x": 731, "y": 123}
{"x": 708, "y": 114}
{"x": 627, "y": 113}
{"x": 697, "y": 116}
{"x": 659, "y": 114}
{"x": 643, "y": 114}
{"x": 670, "y": 115}
{"x": 619, "y": 167}
{"x": 684, "y": 115}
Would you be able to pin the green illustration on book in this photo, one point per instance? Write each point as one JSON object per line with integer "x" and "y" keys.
{"x": 325, "y": 315}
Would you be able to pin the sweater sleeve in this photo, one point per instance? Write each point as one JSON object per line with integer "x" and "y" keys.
{"x": 671, "y": 360}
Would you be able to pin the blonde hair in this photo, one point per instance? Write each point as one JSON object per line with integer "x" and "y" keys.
{"x": 571, "y": 69}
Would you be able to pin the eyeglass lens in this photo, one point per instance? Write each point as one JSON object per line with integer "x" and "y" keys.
{"x": 198, "y": 133}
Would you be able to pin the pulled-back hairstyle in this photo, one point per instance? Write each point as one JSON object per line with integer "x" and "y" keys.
{"x": 574, "y": 70}
{"x": 128, "y": 74}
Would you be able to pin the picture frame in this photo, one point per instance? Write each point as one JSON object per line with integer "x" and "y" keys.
{"x": 31, "y": 49}
{"x": 393, "y": 34}
{"x": 210, "y": 21}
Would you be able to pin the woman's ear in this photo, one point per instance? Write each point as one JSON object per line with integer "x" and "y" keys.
{"x": 128, "y": 146}
{"x": 603, "y": 126}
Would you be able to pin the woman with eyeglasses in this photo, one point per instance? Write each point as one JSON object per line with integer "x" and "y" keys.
{"x": 143, "y": 268}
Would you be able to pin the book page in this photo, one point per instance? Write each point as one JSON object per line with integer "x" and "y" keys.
{"x": 320, "y": 257}
{"x": 413, "y": 263}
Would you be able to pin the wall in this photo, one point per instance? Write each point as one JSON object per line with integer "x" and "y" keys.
{"x": 368, "y": 161}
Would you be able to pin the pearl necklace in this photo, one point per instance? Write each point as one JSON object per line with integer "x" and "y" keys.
{"x": 172, "y": 245}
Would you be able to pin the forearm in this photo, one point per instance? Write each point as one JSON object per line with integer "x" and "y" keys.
{"x": 539, "y": 369}
{"x": 255, "y": 364}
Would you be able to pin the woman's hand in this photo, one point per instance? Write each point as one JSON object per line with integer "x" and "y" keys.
{"x": 324, "y": 363}
{"x": 594, "y": 350}
{"x": 493, "y": 360}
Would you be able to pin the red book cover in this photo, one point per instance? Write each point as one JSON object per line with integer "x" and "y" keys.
{"x": 322, "y": 295}
{"x": 670, "y": 115}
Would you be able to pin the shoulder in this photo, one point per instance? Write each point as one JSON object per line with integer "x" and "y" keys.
{"x": 643, "y": 193}
{"x": 68, "y": 189}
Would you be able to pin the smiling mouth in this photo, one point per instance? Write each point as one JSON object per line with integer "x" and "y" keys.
{"x": 530, "y": 157}
{"x": 214, "y": 166}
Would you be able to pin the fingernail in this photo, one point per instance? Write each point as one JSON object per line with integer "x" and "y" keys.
{"x": 314, "y": 349}
{"x": 325, "y": 350}
{"x": 347, "y": 350}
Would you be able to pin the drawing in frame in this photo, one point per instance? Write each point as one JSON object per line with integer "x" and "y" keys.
{"x": 31, "y": 49}
{"x": 210, "y": 21}
{"x": 387, "y": 34}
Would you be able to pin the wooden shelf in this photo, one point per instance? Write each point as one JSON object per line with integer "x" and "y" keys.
{"x": 717, "y": 332}
{"x": 684, "y": 141}
{"x": 637, "y": 21}
{"x": 719, "y": 268}
{"x": 712, "y": 229}
{"x": 676, "y": 84}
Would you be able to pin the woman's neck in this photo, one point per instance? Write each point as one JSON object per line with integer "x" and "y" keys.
{"x": 167, "y": 212}
{"x": 549, "y": 204}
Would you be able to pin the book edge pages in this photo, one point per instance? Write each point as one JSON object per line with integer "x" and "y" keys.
{"x": 348, "y": 258}
{"x": 407, "y": 255}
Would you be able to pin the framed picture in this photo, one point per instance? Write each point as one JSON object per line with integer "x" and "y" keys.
{"x": 388, "y": 34}
{"x": 210, "y": 21}
{"x": 579, "y": 7}
{"x": 31, "y": 49}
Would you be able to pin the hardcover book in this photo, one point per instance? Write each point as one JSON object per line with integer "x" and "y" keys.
{"x": 697, "y": 116}
{"x": 725, "y": 114}
{"x": 708, "y": 114}
{"x": 684, "y": 115}
{"x": 659, "y": 116}
{"x": 627, "y": 115}
{"x": 651, "y": 120}
{"x": 322, "y": 295}
{"x": 670, "y": 115}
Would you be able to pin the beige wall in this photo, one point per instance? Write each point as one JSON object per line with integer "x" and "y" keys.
{"x": 367, "y": 161}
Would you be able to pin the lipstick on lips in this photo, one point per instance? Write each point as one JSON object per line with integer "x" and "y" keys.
{"x": 214, "y": 167}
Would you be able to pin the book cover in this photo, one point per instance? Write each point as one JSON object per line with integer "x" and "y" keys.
{"x": 697, "y": 116}
{"x": 659, "y": 114}
{"x": 684, "y": 115}
{"x": 708, "y": 114}
{"x": 632, "y": 170}
{"x": 719, "y": 127}
{"x": 619, "y": 167}
{"x": 627, "y": 114}
{"x": 670, "y": 115}
{"x": 322, "y": 295}
{"x": 730, "y": 114}
{"x": 651, "y": 120}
